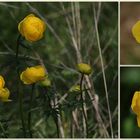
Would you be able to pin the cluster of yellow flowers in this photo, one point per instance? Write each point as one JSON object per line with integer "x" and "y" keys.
{"x": 32, "y": 28}
{"x": 29, "y": 76}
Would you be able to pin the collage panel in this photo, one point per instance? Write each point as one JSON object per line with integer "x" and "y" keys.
{"x": 59, "y": 69}
{"x": 129, "y": 69}
{"x": 129, "y": 102}
{"x": 129, "y": 33}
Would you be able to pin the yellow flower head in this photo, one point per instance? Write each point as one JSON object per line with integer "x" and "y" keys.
{"x": 136, "y": 31}
{"x": 32, "y": 28}
{"x": 136, "y": 105}
{"x": 4, "y": 95}
{"x": 75, "y": 88}
{"x": 33, "y": 74}
{"x": 2, "y": 82}
{"x": 84, "y": 68}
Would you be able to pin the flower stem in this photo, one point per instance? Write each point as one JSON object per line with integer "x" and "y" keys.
{"x": 21, "y": 113}
{"x": 82, "y": 99}
{"x": 20, "y": 94}
{"x": 56, "y": 123}
{"x": 29, "y": 114}
{"x": 17, "y": 47}
{"x": 54, "y": 118}
{"x": 71, "y": 127}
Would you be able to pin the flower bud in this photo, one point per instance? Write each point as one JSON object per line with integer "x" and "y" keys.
{"x": 46, "y": 82}
{"x": 75, "y": 88}
{"x": 84, "y": 68}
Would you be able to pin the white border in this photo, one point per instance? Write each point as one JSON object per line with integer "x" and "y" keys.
{"x": 119, "y": 66}
{"x": 118, "y": 69}
{"x": 59, "y": 0}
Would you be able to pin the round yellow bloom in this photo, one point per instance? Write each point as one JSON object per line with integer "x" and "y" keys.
{"x": 2, "y": 82}
{"x": 136, "y": 31}
{"x": 4, "y": 95}
{"x": 75, "y": 88}
{"x": 32, "y": 28}
{"x": 84, "y": 68}
{"x": 33, "y": 74}
{"x": 136, "y": 105}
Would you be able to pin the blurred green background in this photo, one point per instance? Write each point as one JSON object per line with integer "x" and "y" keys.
{"x": 57, "y": 52}
{"x": 129, "y": 83}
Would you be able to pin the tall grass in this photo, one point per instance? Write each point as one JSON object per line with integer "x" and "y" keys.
{"x": 76, "y": 32}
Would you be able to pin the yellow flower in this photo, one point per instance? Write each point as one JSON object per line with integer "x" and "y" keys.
{"x": 84, "y": 68}
{"x": 33, "y": 74}
{"x": 75, "y": 88}
{"x": 136, "y": 105}
{"x": 136, "y": 31}
{"x": 2, "y": 82}
{"x": 4, "y": 95}
{"x": 32, "y": 28}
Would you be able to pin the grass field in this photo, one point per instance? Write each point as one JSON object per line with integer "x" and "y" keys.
{"x": 75, "y": 32}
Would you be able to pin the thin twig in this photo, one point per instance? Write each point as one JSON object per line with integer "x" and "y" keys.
{"x": 72, "y": 37}
{"x": 104, "y": 77}
{"x": 29, "y": 114}
{"x": 83, "y": 110}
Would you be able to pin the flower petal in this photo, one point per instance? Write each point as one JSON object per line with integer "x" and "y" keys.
{"x": 2, "y": 82}
{"x": 25, "y": 78}
{"x": 136, "y": 96}
{"x": 136, "y": 31}
{"x": 33, "y": 74}
{"x": 138, "y": 121}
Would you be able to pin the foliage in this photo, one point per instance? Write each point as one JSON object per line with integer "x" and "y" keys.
{"x": 69, "y": 25}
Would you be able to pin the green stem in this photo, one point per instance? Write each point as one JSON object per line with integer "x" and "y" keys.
{"x": 29, "y": 114}
{"x": 71, "y": 125}
{"x": 21, "y": 113}
{"x": 20, "y": 94}
{"x": 3, "y": 130}
{"x": 55, "y": 120}
{"x": 82, "y": 99}
{"x": 57, "y": 127}
{"x": 17, "y": 47}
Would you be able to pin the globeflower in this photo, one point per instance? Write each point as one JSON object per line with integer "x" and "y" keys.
{"x": 32, "y": 28}
{"x": 84, "y": 68}
{"x": 135, "y": 105}
{"x": 33, "y": 74}
{"x": 4, "y": 95}
{"x": 4, "y": 92}
{"x": 136, "y": 31}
